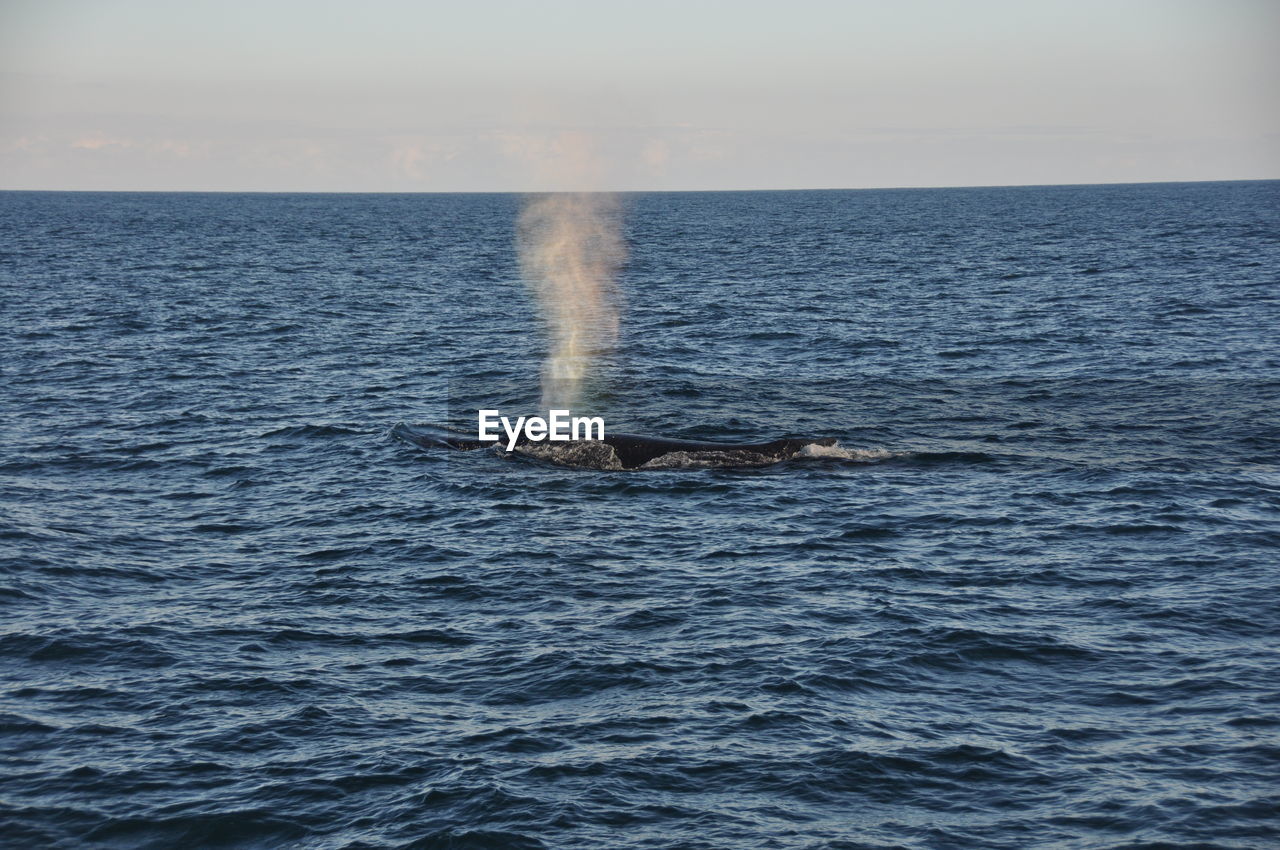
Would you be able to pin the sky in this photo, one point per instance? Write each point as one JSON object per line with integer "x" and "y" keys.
{"x": 398, "y": 96}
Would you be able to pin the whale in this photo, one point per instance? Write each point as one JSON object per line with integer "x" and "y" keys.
{"x": 632, "y": 451}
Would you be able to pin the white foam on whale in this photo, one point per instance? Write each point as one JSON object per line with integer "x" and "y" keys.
{"x": 839, "y": 452}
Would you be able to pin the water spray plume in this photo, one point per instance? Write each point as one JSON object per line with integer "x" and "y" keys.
{"x": 570, "y": 249}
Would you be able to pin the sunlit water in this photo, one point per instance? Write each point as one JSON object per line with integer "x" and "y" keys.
{"x": 1038, "y": 608}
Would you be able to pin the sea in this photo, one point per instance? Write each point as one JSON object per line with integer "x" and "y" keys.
{"x": 1034, "y": 602}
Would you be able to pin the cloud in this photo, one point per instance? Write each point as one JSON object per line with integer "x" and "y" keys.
{"x": 98, "y": 141}
{"x": 179, "y": 148}
{"x": 656, "y": 156}
{"x": 418, "y": 157}
{"x": 25, "y": 144}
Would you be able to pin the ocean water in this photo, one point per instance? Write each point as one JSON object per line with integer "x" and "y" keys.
{"x": 1035, "y": 604}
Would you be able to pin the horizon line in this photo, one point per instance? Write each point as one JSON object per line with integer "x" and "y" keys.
{"x": 628, "y": 191}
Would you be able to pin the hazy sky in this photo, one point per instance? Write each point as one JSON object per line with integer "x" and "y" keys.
{"x": 514, "y": 96}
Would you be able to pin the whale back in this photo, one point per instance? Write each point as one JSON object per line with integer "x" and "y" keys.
{"x": 631, "y": 450}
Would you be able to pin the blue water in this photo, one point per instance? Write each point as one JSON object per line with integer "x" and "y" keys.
{"x": 1040, "y": 611}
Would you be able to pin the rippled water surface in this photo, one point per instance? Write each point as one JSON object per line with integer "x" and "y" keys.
{"x": 1038, "y": 610}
